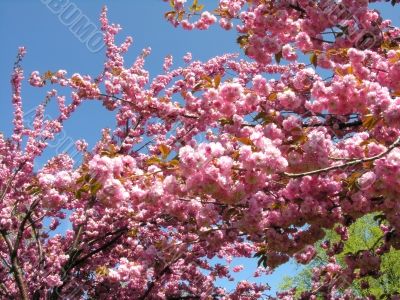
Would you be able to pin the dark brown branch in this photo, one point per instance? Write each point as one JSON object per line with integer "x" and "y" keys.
{"x": 13, "y": 250}
{"x": 22, "y": 226}
{"x": 119, "y": 233}
{"x": 141, "y": 147}
{"x": 73, "y": 253}
{"x": 128, "y": 134}
{"x": 16, "y": 269}
{"x": 4, "y": 192}
{"x": 321, "y": 40}
{"x": 153, "y": 108}
{"x": 74, "y": 261}
{"x": 5, "y": 262}
{"x": 6, "y": 292}
{"x": 215, "y": 203}
{"x": 37, "y": 240}
{"x": 341, "y": 125}
{"x": 91, "y": 242}
{"x": 151, "y": 285}
{"x": 298, "y": 8}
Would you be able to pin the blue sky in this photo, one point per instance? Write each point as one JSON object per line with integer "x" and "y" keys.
{"x": 52, "y": 46}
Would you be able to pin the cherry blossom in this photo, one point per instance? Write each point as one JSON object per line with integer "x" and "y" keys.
{"x": 227, "y": 158}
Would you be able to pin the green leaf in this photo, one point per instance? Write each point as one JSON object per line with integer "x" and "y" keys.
{"x": 369, "y": 121}
{"x": 170, "y": 13}
{"x": 278, "y": 57}
{"x": 200, "y": 7}
{"x": 34, "y": 190}
{"x": 259, "y": 253}
{"x": 260, "y": 116}
{"x": 260, "y": 261}
{"x": 94, "y": 188}
{"x": 80, "y": 179}
{"x": 379, "y": 219}
{"x": 87, "y": 178}
{"x": 243, "y": 40}
{"x": 174, "y": 162}
{"x": 181, "y": 14}
{"x": 344, "y": 29}
{"x": 351, "y": 181}
{"x": 225, "y": 121}
{"x": 217, "y": 80}
{"x": 244, "y": 140}
{"x": 196, "y": 7}
{"x": 154, "y": 160}
{"x": 273, "y": 96}
{"x": 265, "y": 262}
{"x": 314, "y": 59}
{"x": 264, "y": 117}
{"x": 165, "y": 150}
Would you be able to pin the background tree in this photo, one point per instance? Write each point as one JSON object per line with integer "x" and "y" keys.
{"x": 363, "y": 234}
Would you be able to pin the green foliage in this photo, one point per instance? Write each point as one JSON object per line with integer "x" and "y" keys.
{"x": 363, "y": 234}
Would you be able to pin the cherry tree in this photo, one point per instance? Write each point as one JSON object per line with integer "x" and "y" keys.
{"x": 232, "y": 157}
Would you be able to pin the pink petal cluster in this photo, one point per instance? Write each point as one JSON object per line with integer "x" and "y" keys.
{"x": 227, "y": 158}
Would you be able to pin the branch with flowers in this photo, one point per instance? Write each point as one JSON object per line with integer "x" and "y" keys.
{"x": 213, "y": 159}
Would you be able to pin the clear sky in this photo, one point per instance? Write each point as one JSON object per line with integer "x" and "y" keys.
{"x": 52, "y": 45}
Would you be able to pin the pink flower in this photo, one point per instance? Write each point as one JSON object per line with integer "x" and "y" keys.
{"x": 22, "y": 51}
{"x": 260, "y": 85}
{"x": 46, "y": 179}
{"x": 289, "y": 100}
{"x": 187, "y": 25}
{"x": 188, "y": 57}
{"x": 288, "y": 52}
{"x": 206, "y": 19}
{"x": 54, "y": 224}
{"x": 231, "y": 91}
{"x": 225, "y": 163}
{"x": 306, "y": 255}
{"x": 113, "y": 192}
{"x": 356, "y": 56}
{"x": 35, "y": 79}
{"x": 168, "y": 60}
{"x": 81, "y": 145}
{"x": 53, "y": 280}
{"x": 366, "y": 180}
{"x": 225, "y": 23}
{"x": 237, "y": 268}
{"x": 303, "y": 41}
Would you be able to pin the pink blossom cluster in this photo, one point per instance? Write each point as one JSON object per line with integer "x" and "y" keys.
{"x": 226, "y": 158}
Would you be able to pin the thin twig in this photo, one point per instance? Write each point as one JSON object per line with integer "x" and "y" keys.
{"x": 347, "y": 164}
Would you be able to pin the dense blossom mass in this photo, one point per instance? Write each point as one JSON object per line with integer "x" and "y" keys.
{"x": 226, "y": 158}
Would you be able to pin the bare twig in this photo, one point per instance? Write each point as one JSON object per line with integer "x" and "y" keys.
{"x": 347, "y": 164}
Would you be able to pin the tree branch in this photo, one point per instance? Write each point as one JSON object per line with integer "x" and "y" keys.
{"x": 4, "y": 192}
{"x": 151, "y": 285}
{"x": 119, "y": 233}
{"x": 73, "y": 261}
{"x": 15, "y": 268}
{"x": 347, "y": 164}
{"x": 22, "y": 226}
{"x": 37, "y": 239}
{"x": 153, "y": 108}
